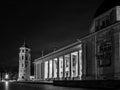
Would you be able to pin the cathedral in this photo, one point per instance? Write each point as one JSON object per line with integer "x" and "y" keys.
{"x": 24, "y": 63}
{"x": 93, "y": 57}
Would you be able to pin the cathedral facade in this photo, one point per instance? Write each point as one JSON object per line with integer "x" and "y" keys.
{"x": 24, "y": 63}
{"x": 94, "y": 57}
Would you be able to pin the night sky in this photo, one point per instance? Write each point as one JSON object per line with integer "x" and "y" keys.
{"x": 45, "y": 25}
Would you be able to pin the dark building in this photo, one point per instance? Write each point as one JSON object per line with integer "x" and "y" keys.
{"x": 94, "y": 57}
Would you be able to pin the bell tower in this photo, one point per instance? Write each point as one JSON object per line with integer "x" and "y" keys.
{"x": 24, "y": 63}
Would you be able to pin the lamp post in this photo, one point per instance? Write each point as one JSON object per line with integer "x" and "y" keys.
{"x": 6, "y": 76}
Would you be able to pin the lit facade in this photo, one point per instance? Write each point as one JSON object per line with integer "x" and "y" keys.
{"x": 24, "y": 63}
{"x": 63, "y": 64}
{"x": 94, "y": 57}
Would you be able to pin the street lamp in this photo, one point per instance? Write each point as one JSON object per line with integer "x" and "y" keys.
{"x": 6, "y": 76}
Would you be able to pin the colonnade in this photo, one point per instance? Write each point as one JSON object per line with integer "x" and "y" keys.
{"x": 67, "y": 66}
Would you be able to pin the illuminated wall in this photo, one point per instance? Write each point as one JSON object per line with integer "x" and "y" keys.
{"x": 55, "y": 67}
{"x": 67, "y": 65}
{"x": 74, "y": 64}
{"x": 61, "y": 67}
{"x": 46, "y": 69}
{"x": 50, "y": 69}
{"x": 24, "y": 63}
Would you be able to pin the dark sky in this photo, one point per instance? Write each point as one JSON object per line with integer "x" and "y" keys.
{"x": 44, "y": 25}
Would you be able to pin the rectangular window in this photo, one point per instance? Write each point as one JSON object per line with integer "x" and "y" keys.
{"x": 104, "y": 55}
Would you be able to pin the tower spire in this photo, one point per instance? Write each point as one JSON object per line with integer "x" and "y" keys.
{"x": 24, "y": 44}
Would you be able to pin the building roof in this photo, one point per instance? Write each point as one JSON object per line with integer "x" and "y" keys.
{"x": 59, "y": 50}
{"x": 105, "y": 6}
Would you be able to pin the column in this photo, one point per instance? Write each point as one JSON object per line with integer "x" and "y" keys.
{"x": 48, "y": 69}
{"x": 53, "y": 69}
{"x": 63, "y": 67}
{"x": 38, "y": 70}
{"x": 35, "y": 70}
{"x": 96, "y": 61}
{"x": 78, "y": 65}
{"x": 84, "y": 60}
{"x": 70, "y": 67}
{"x": 57, "y": 68}
{"x": 42, "y": 70}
